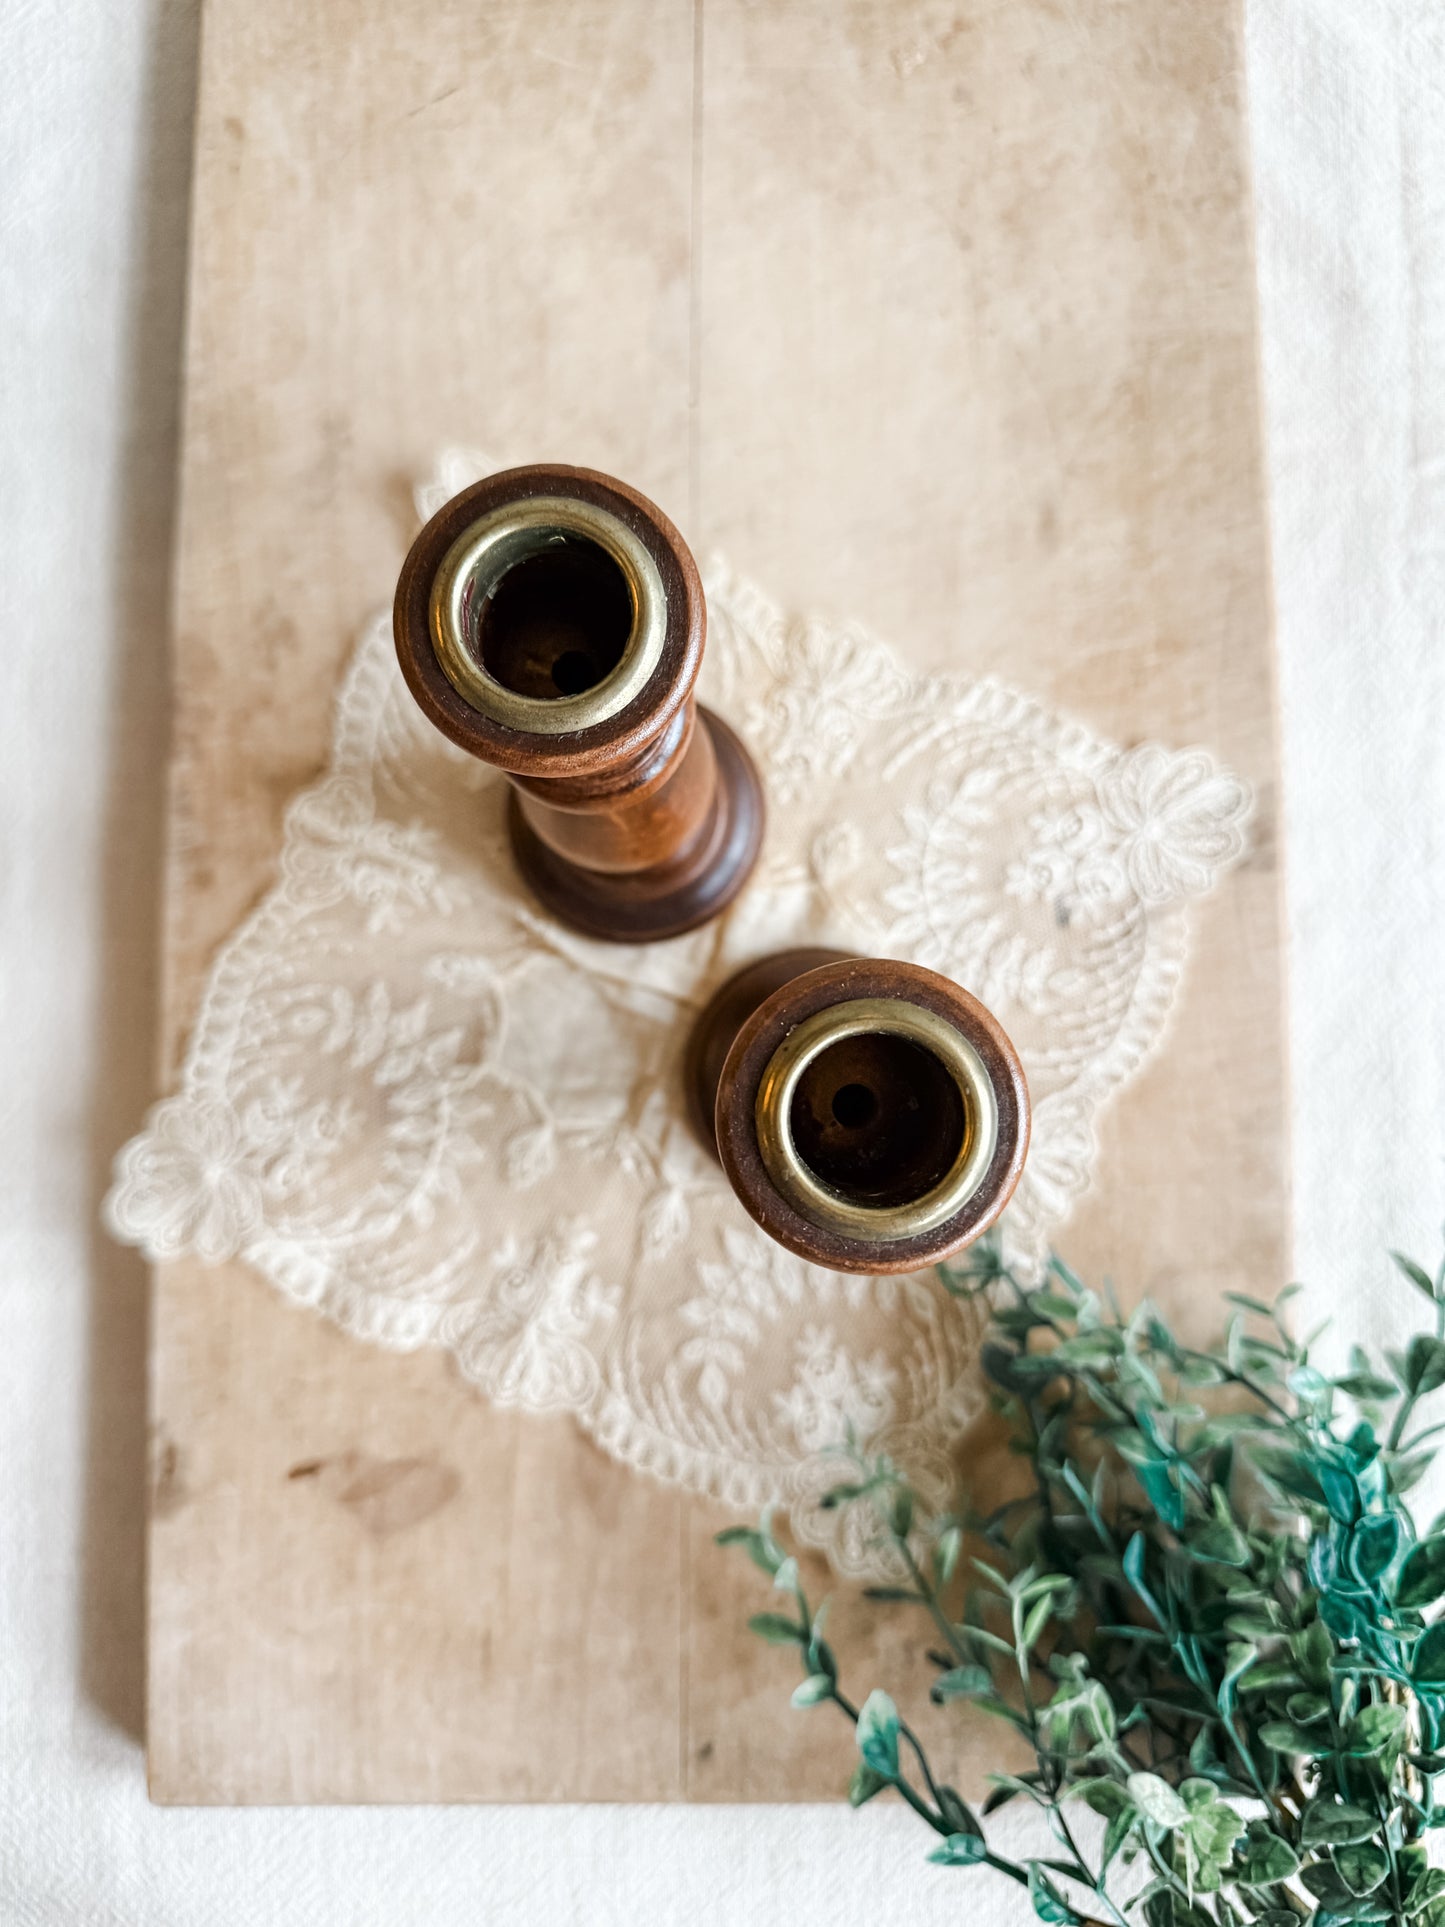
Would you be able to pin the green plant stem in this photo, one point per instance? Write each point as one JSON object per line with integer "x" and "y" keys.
{"x": 907, "y": 1733}
{"x": 1094, "y": 1882}
{"x": 930, "y": 1598}
{"x": 1010, "y": 1869}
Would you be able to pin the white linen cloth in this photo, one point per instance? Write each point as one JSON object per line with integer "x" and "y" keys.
{"x": 1349, "y": 139}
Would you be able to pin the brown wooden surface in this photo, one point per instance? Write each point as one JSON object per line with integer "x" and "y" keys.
{"x": 937, "y": 316}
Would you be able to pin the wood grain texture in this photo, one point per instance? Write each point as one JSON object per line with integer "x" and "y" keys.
{"x": 940, "y": 316}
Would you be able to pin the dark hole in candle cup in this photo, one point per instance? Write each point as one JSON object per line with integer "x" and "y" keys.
{"x": 557, "y": 622}
{"x": 573, "y": 671}
{"x": 878, "y": 1119}
{"x": 854, "y": 1105}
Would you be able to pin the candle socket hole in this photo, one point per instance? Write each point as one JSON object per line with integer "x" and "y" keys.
{"x": 853, "y": 1106}
{"x": 573, "y": 671}
{"x": 556, "y": 623}
{"x": 878, "y": 1119}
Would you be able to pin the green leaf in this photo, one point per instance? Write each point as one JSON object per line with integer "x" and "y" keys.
{"x": 1166, "y": 1907}
{"x": 816, "y": 1687}
{"x": 1256, "y": 1305}
{"x": 785, "y": 1579}
{"x": 1418, "y": 1277}
{"x": 1266, "y": 1858}
{"x": 1205, "y": 1843}
{"x": 1428, "y": 1886}
{"x": 1335, "y": 1823}
{"x": 1309, "y": 1386}
{"x": 1133, "y": 1563}
{"x": 1038, "y": 1618}
{"x": 864, "y": 1784}
{"x": 1049, "y": 1903}
{"x": 1220, "y": 1542}
{"x": 1373, "y": 1544}
{"x": 1283, "y": 1736}
{"x": 1047, "y": 1304}
{"x": 1368, "y": 1386}
{"x": 1291, "y": 1471}
{"x": 1361, "y": 1867}
{"x": 1117, "y": 1832}
{"x": 1161, "y": 1488}
{"x": 820, "y": 1653}
{"x": 957, "y": 1814}
{"x": 1000, "y": 1794}
{"x": 1268, "y": 1675}
{"x": 1424, "y": 1364}
{"x": 757, "y": 1547}
{"x": 1305, "y": 1708}
{"x": 962, "y": 1682}
{"x": 777, "y": 1630}
{"x": 1427, "y": 1662}
{"x": 1325, "y": 1884}
{"x": 1344, "y": 1620}
{"x": 1314, "y": 1650}
{"x": 1157, "y": 1800}
{"x": 841, "y": 1495}
{"x": 960, "y": 1850}
{"x": 945, "y": 1554}
{"x": 877, "y": 1733}
{"x": 1422, "y": 1577}
{"x": 1374, "y": 1728}
{"x": 1104, "y": 1796}
{"x": 1342, "y": 1493}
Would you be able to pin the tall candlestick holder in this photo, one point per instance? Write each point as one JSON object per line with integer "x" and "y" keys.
{"x": 551, "y": 621}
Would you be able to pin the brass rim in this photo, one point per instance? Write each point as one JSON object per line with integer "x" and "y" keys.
{"x": 819, "y": 1202}
{"x": 474, "y": 565}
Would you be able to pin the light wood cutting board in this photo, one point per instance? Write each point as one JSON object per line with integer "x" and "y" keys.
{"x": 939, "y": 316}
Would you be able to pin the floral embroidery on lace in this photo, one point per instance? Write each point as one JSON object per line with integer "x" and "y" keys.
{"x": 416, "y": 1104}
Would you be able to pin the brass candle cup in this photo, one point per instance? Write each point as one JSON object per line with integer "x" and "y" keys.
{"x": 871, "y": 1116}
{"x": 551, "y": 621}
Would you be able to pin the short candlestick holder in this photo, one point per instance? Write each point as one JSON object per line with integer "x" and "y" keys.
{"x": 551, "y": 621}
{"x": 870, "y": 1115}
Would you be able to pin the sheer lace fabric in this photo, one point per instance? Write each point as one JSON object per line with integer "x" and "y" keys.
{"x": 416, "y": 1104}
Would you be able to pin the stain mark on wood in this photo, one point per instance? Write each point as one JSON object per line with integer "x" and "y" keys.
{"x": 168, "y": 1485}
{"x": 383, "y": 1495}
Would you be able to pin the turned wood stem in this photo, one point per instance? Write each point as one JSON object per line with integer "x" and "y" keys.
{"x": 551, "y": 621}
{"x": 870, "y": 1115}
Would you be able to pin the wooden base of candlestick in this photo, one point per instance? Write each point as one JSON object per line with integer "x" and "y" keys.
{"x": 676, "y": 895}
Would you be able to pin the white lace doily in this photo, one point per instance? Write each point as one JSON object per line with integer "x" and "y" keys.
{"x": 417, "y": 1104}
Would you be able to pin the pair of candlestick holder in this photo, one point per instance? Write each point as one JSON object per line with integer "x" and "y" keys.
{"x": 870, "y": 1115}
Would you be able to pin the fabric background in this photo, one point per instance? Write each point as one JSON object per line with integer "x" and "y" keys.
{"x": 1348, "y": 126}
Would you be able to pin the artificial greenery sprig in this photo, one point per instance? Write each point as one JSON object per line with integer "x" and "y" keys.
{"x": 1208, "y": 1619}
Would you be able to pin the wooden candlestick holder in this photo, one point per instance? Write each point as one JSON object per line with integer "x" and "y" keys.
{"x": 871, "y": 1116}
{"x": 551, "y": 621}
